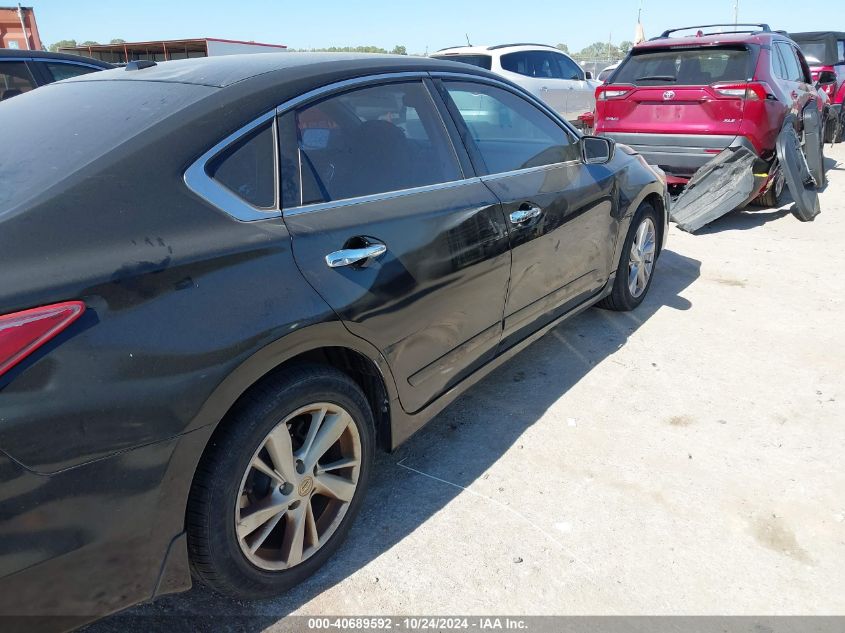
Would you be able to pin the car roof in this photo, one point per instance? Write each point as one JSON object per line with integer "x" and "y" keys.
{"x": 227, "y": 70}
{"x": 7, "y": 53}
{"x": 488, "y": 50}
{"x": 716, "y": 39}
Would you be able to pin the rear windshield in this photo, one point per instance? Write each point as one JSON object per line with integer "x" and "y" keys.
{"x": 50, "y": 133}
{"x": 482, "y": 61}
{"x": 685, "y": 67}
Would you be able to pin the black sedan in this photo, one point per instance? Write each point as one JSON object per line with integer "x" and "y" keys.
{"x": 228, "y": 281}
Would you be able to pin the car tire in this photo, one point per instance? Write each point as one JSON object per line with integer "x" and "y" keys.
{"x": 229, "y": 493}
{"x": 624, "y": 296}
{"x": 771, "y": 198}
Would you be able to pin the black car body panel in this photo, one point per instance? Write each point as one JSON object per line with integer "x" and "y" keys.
{"x": 188, "y": 307}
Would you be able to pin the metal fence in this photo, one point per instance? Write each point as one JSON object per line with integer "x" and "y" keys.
{"x": 595, "y": 66}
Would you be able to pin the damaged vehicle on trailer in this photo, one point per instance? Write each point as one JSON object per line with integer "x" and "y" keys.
{"x": 709, "y": 108}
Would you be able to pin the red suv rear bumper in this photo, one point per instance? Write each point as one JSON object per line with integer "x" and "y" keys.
{"x": 679, "y": 154}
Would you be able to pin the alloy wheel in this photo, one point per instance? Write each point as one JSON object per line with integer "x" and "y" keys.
{"x": 298, "y": 486}
{"x": 641, "y": 261}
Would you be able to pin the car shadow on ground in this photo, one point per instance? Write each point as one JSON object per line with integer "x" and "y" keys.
{"x": 456, "y": 448}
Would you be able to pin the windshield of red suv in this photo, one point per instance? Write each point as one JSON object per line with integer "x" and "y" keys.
{"x": 685, "y": 67}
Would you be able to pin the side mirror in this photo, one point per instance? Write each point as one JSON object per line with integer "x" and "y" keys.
{"x": 596, "y": 150}
{"x": 588, "y": 75}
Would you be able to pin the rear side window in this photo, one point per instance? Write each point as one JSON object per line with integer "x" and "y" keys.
{"x": 509, "y": 132}
{"x": 364, "y": 142}
{"x": 689, "y": 67}
{"x": 541, "y": 64}
{"x": 58, "y": 71}
{"x": 482, "y": 61}
{"x": 247, "y": 168}
{"x": 15, "y": 79}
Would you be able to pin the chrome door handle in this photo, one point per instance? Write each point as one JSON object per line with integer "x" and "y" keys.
{"x": 350, "y": 256}
{"x": 520, "y": 216}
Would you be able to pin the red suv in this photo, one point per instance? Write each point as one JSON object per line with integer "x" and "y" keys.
{"x": 679, "y": 101}
{"x": 825, "y": 52}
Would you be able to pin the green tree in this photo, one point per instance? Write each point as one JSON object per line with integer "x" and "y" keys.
{"x": 625, "y": 47}
{"x": 90, "y": 43}
{"x": 399, "y": 50}
{"x": 599, "y": 50}
{"x": 62, "y": 44}
{"x": 117, "y": 40}
{"x": 563, "y": 47}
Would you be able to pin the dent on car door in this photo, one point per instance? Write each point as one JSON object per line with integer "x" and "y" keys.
{"x": 411, "y": 253}
{"x": 562, "y": 214}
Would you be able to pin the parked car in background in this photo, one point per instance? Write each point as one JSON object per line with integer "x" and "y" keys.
{"x": 681, "y": 100}
{"x": 607, "y": 72}
{"x": 825, "y": 53}
{"x": 22, "y": 71}
{"x": 544, "y": 71}
{"x": 198, "y": 359}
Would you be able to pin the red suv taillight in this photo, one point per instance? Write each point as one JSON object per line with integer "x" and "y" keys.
{"x": 21, "y": 333}
{"x": 612, "y": 92}
{"x": 752, "y": 91}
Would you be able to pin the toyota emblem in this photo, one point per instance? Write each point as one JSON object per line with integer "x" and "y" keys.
{"x": 668, "y": 95}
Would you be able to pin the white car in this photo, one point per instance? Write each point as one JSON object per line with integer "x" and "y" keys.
{"x": 544, "y": 71}
{"x": 604, "y": 74}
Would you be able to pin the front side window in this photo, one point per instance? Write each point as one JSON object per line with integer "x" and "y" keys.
{"x": 509, "y": 132}
{"x": 59, "y": 71}
{"x": 368, "y": 141}
{"x": 840, "y": 51}
{"x": 15, "y": 79}
{"x": 247, "y": 168}
{"x": 541, "y": 64}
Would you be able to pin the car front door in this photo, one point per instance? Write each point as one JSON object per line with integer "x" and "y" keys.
{"x": 581, "y": 97}
{"x": 562, "y": 216}
{"x": 410, "y": 250}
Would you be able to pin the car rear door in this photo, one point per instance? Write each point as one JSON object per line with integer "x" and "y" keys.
{"x": 395, "y": 232}
{"x": 562, "y": 219}
{"x": 796, "y": 76}
{"x": 540, "y": 73}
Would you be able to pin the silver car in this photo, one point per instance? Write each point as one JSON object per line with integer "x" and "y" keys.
{"x": 543, "y": 70}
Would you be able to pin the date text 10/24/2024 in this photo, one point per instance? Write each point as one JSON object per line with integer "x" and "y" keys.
{"x": 416, "y": 624}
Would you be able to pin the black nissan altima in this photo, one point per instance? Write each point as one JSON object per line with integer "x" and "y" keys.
{"x": 227, "y": 282}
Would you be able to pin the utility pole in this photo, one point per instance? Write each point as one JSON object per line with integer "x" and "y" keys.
{"x": 736, "y": 13}
{"x": 23, "y": 26}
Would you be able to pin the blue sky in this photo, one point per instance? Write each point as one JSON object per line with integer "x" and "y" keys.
{"x": 417, "y": 24}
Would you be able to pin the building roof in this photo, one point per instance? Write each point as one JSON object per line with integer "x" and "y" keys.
{"x": 171, "y": 43}
{"x": 25, "y": 54}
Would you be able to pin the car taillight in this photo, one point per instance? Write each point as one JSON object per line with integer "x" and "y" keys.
{"x": 752, "y": 91}
{"x": 611, "y": 92}
{"x": 21, "y": 333}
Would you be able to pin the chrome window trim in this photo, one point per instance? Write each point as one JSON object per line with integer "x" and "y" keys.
{"x": 196, "y": 177}
{"x": 377, "y": 197}
{"x": 339, "y": 86}
{"x": 527, "y": 170}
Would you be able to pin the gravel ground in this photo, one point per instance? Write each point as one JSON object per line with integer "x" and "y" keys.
{"x": 685, "y": 458}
